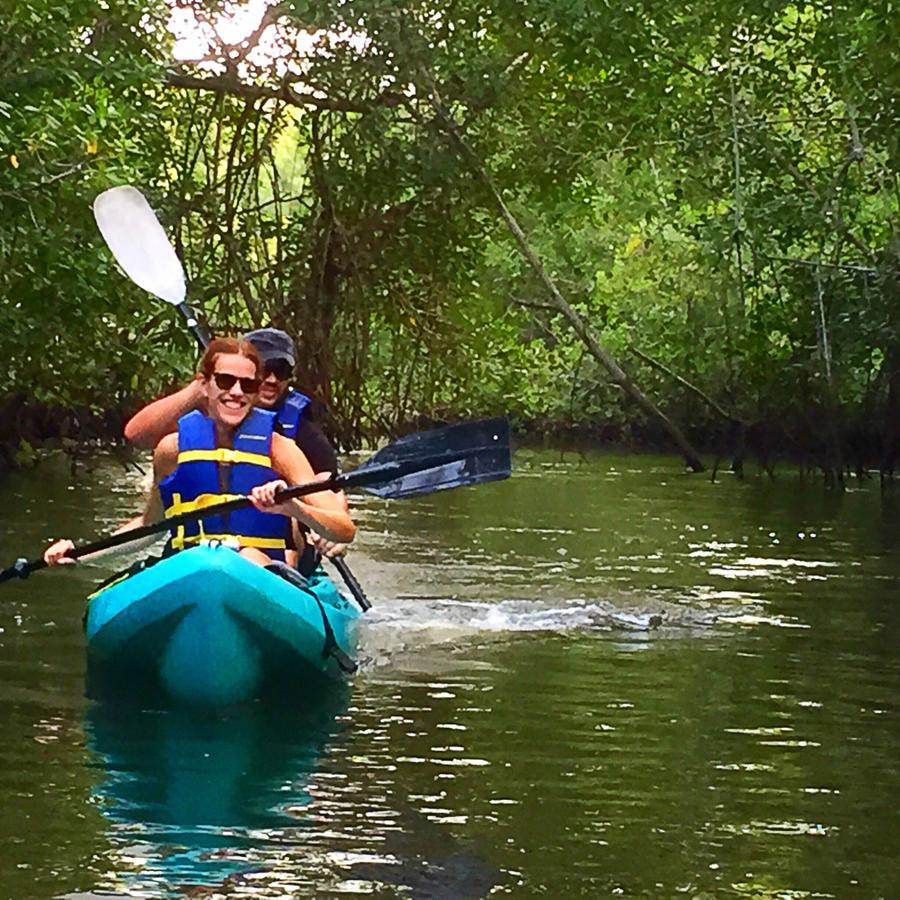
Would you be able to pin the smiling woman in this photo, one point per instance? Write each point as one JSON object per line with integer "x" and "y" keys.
{"x": 236, "y": 445}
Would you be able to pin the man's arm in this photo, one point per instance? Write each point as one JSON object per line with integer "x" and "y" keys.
{"x": 316, "y": 447}
{"x": 147, "y": 427}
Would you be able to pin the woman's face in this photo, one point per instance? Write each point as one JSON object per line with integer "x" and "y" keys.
{"x": 232, "y": 388}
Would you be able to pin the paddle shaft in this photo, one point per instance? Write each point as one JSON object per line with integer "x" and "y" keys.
{"x": 353, "y": 585}
{"x": 22, "y": 568}
{"x": 197, "y": 329}
{"x": 480, "y": 453}
{"x": 203, "y": 338}
{"x": 368, "y": 475}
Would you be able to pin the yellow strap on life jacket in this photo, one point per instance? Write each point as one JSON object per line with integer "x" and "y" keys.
{"x": 180, "y": 540}
{"x": 225, "y": 455}
{"x": 200, "y": 502}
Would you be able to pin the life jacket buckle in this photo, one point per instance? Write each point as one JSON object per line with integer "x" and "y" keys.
{"x": 231, "y": 543}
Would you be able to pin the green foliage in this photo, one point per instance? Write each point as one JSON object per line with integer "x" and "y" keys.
{"x": 714, "y": 186}
{"x": 79, "y": 113}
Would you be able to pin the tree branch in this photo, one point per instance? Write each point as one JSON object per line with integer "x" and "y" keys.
{"x": 831, "y": 210}
{"x": 72, "y": 170}
{"x": 729, "y": 417}
{"x": 531, "y": 304}
{"x": 286, "y": 94}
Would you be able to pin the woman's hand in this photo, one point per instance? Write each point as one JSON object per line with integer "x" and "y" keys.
{"x": 263, "y": 497}
{"x": 55, "y": 554}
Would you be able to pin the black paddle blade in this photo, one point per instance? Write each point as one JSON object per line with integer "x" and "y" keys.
{"x": 443, "y": 458}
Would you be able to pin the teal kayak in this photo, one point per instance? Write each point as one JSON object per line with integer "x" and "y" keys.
{"x": 205, "y": 627}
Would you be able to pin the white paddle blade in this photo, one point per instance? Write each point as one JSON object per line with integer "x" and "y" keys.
{"x": 137, "y": 240}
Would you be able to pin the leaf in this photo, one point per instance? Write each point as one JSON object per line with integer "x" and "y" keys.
{"x": 634, "y": 242}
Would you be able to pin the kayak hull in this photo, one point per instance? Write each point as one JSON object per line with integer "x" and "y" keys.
{"x": 205, "y": 627}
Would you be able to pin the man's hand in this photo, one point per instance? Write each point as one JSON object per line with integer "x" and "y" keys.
{"x": 324, "y": 546}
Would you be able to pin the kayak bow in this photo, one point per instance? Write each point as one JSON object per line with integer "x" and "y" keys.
{"x": 206, "y": 627}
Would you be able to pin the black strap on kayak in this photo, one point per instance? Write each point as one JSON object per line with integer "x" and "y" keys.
{"x": 331, "y": 648}
{"x": 121, "y": 575}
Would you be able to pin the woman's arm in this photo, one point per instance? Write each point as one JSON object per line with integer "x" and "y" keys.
{"x": 164, "y": 461}
{"x": 324, "y": 511}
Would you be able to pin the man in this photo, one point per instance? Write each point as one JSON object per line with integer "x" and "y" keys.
{"x": 291, "y": 408}
{"x": 276, "y": 350}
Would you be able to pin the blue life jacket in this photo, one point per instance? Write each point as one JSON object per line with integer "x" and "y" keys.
{"x": 207, "y": 474}
{"x": 290, "y": 411}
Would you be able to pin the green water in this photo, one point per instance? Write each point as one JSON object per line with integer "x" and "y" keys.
{"x": 600, "y": 678}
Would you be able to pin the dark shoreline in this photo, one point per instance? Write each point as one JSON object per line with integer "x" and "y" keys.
{"x": 30, "y": 430}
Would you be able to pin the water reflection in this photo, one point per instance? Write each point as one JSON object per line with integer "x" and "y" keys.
{"x": 504, "y": 738}
{"x": 197, "y": 799}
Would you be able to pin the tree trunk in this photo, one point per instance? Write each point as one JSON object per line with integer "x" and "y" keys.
{"x": 577, "y": 323}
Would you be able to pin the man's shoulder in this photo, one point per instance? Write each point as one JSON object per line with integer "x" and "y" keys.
{"x": 294, "y": 396}
{"x": 295, "y": 401}
{"x": 315, "y": 446}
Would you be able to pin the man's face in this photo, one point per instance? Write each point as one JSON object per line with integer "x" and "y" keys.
{"x": 276, "y": 380}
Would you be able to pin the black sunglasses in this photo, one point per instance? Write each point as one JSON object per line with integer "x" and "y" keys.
{"x": 225, "y": 382}
{"x": 280, "y": 368}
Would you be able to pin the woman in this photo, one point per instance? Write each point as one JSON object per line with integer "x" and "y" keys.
{"x": 231, "y": 451}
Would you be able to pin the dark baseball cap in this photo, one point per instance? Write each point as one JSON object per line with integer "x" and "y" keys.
{"x": 272, "y": 343}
